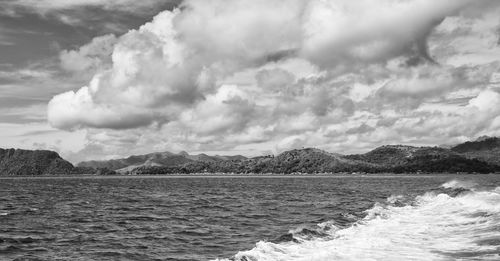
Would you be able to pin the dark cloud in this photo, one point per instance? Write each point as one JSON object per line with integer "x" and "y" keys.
{"x": 34, "y": 35}
{"x": 363, "y": 128}
{"x": 386, "y": 122}
{"x": 280, "y": 55}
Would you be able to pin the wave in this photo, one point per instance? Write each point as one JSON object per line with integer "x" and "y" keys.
{"x": 460, "y": 184}
{"x": 457, "y": 222}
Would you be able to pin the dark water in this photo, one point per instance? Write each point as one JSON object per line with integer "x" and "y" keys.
{"x": 204, "y": 218}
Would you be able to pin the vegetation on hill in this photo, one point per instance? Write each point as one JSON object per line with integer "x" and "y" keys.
{"x": 485, "y": 144}
{"x": 164, "y": 159}
{"x": 486, "y": 149}
{"x": 408, "y": 159}
{"x": 394, "y": 159}
{"x": 16, "y": 162}
{"x": 480, "y": 156}
{"x": 39, "y": 162}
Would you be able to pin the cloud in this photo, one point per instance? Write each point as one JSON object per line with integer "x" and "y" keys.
{"x": 228, "y": 110}
{"x": 171, "y": 62}
{"x": 90, "y": 58}
{"x": 33, "y": 84}
{"x": 275, "y": 79}
{"x": 68, "y": 110}
{"x": 457, "y": 40}
{"x": 291, "y": 142}
{"x": 36, "y": 135}
{"x": 212, "y": 75}
{"x": 54, "y": 5}
{"x": 368, "y": 31}
{"x": 487, "y": 100}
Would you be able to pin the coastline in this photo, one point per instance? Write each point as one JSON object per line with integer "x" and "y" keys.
{"x": 267, "y": 175}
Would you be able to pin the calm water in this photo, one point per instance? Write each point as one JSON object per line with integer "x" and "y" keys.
{"x": 251, "y": 218}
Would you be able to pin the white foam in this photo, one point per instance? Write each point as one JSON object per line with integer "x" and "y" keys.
{"x": 454, "y": 184}
{"x": 433, "y": 227}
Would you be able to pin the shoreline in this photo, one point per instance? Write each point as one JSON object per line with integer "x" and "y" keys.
{"x": 215, "y": 175}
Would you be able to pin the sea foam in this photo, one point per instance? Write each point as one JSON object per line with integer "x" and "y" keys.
{"x": 455, "y": 184}
{"x": 434, "y": 226}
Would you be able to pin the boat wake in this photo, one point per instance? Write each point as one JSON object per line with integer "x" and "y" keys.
{"x": 458, "y": 221}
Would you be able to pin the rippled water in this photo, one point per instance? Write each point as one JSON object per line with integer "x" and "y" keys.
{"x": 251, "y": 218}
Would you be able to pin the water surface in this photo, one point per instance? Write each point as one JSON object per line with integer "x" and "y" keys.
{"x": 441, "y": 217}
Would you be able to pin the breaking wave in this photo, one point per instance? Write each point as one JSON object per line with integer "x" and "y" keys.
{"x": 458, "y": 221}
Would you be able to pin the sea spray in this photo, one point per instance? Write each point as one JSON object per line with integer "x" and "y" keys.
{"x": 460, "y": 184}
{"x": 455, "y": 222}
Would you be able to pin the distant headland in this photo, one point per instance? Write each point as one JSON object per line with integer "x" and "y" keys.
{"x": 479, "y": 156}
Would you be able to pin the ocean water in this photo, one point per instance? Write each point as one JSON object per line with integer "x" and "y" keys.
{"x": 440, "y": 217}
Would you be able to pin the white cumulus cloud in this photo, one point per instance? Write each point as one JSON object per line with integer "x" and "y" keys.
{"x": 293, "y": 73}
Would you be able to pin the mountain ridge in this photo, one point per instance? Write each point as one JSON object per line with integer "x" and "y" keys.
{"x": 387, "y": 158}
{"x": 161, "y": 158}
{"x": 485, "y": 148}
{"x": 15, "y": 162}
{"x": 19, "y": 162}
{"x": 478, "y": 156}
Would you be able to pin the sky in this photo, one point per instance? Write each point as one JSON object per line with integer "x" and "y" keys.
{"x": 101, "y": 79}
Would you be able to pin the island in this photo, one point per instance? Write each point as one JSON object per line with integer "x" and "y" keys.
{"x": 479, "y": 156}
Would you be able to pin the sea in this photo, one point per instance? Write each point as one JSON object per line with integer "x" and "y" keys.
{"x": 250, "y": 218}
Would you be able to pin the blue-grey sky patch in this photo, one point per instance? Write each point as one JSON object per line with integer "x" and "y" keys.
{"x": 13, "y": 102}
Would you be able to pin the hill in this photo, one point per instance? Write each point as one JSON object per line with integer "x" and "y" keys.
{"x": 293, "y": 161}
{"x": 409, "y": 159}
{"x": 158, "y": 159}
{"x": 392, "y": 158}
{"x": 485, "y": 149}
{"x": 18, "y": 162}
{"x": 161, "y": 158}
{"x": 14, "y": 162}
{"x": 480, "y": 156}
